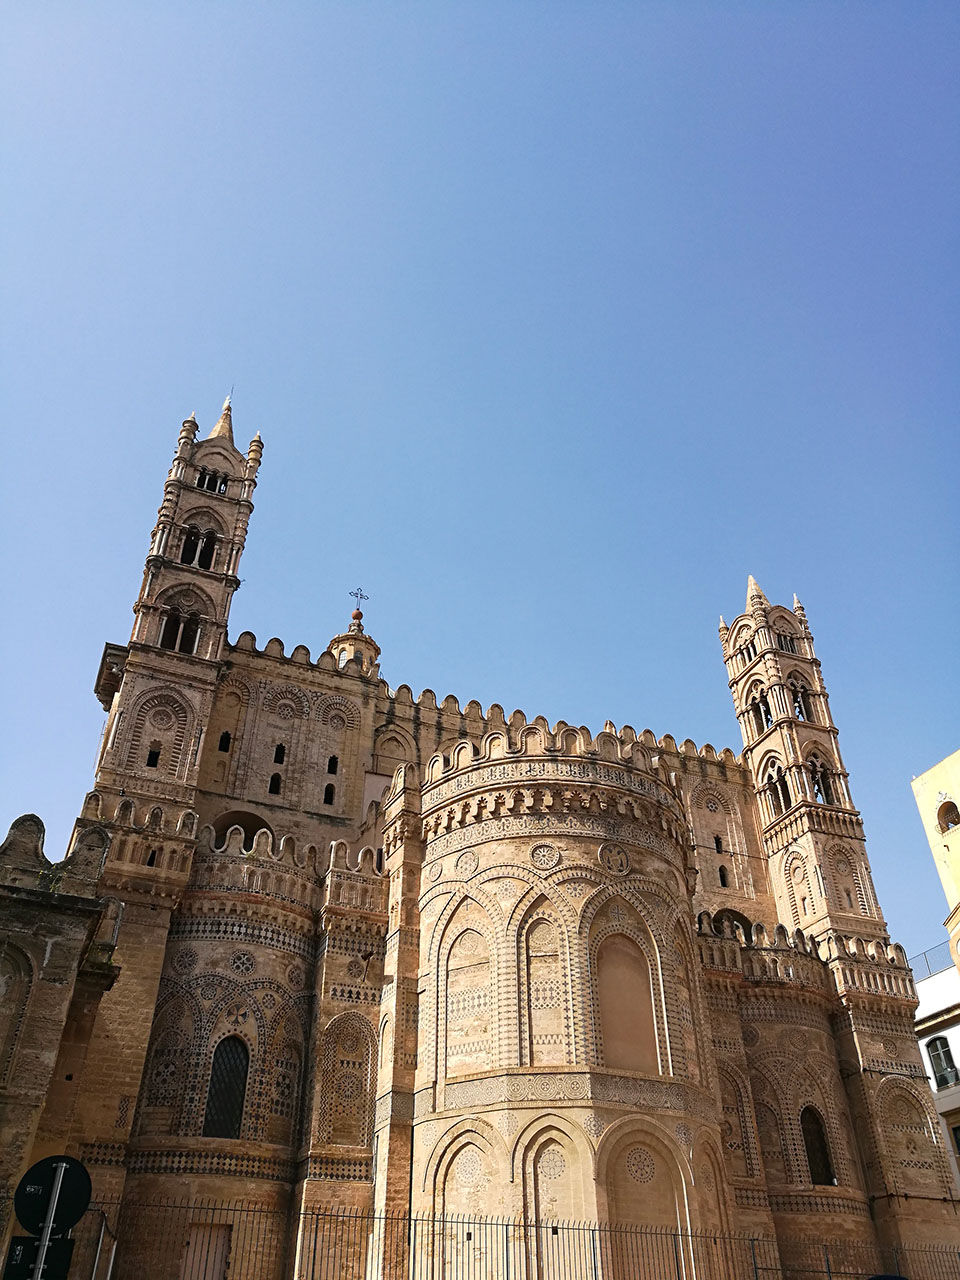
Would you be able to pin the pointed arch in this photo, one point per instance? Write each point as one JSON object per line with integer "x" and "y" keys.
{"x": 16, "y": 985}
{"x": 544, "y": 1005}
{"x": 163, "y": 718}
{"x": 348, "y": 1056}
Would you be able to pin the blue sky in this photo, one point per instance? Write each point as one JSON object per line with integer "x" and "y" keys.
{"x": 557, "y": 321}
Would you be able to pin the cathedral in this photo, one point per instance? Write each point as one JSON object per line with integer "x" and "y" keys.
{"x": 321, "y": 943}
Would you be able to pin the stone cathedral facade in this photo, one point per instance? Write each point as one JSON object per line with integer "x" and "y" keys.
{"x": 320, "y": 942}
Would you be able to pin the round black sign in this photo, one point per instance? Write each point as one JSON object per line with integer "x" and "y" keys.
{"x": 32, "y": 1197}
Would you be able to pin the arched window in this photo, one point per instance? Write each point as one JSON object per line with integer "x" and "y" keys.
{"x": 153, "y": 755}
{"x": 948, "y": 816}
{"x": 800, "y": 697}
{"x": 224, "y": 744}
{"x": 778, "y": 790}
{"x": 821, "y": 783}
{"x": 222, "y": 486}
{"x": 718, "y": 843}
{"x": 627, "y": 1028}
{"x": 171, "y": 630}
{"x": 941, "y": 1059}
{"x": 189, "y": 634}
{"x": 786, "y": 642}
{"x": 191, "y": 544}
{"x": 342, "y": 660}
{"x": 201, "y": 477}
{"x": 818, "y": 1149}
{"x": 333, "y": 764}
{"x": 279, "y": 752}
{"x": 329, "y": 793}
{"x": 760, "y": 712}
{"x": 276, "y": 782}
{"x": 207, "y": 549}
{"x": 228, "y": 1086}
{"x": 723, "y": 877}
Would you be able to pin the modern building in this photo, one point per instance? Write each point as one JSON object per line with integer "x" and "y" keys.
{"x": 937, "y": 972}
{"x": 321, "y": 942}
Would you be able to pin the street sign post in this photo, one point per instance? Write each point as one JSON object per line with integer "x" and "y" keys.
{"x": 51, "y": 1197}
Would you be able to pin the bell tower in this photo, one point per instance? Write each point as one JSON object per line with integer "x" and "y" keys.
{"x": 812, "y": 834}
{"x": 158, "y": 689}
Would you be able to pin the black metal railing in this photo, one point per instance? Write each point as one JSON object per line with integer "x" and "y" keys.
{"x": 222, "y": 1240}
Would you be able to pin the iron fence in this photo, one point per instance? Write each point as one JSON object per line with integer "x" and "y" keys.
{"x": 221, "y": 1240}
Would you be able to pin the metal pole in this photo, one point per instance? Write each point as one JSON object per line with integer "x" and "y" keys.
{"x": 753, "y": 1253}
{"x": 826, "y": 1259}
{"x": 96, "y": 1260}
{"x": 48, "y": 1225}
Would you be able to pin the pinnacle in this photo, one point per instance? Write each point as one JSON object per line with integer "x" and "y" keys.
{"x": 224, "y": 425}
{"x": 754, "y": 589}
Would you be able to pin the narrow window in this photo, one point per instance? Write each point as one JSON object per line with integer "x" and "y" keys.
{"x": 342, "y": 660}
{"x": 849, "y": 897}
{"x": 207, "y": 549}
{"x": 275, "y": 784}
{"x": 228, "y": 1086}
{"x": 171, "y": 629}
{"x": 224, "y": 744}
{"x": 191, "y": 544}
{"x": 279, "y": 752}
{"x": 201, "y": 477}
{"x": 941, "y": 1059}
{"x": 189, "y": 635}
{"x": 818, "y": 1149}
{"x": 329, "y": 791}
{"x": 821, "y": 782}
{"x": 222, "y": 486}
{"x": 212, "y": 480}
{"x": 152, "y": 858}
{"x": 722, "y": 873}
{"x": 718, "y": 843}
{"x": 333, "y": 764}
{"x": 804, "y": 906}
{"x": 955, "y": 1132}
{"x": 153, "y": 755}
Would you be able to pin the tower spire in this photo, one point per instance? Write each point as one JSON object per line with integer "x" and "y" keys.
{"x": 224, "y": 426}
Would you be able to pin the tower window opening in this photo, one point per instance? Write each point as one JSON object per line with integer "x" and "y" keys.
{"x": 276, "y": 782}
{"x": 152, "y": 858}
{"x": 941, "y": 1059}
{"x": 805, "y": 906}
{"x": 787, "y": 643}
{"x": 153, "y": 755}
{"x": 223, "y": 1117}
{"x": 723, "y": 877}
{"x": 329, "y": 793}
{"x": 279, "y": 752}
{"x": 191, "y": 545}
{"x": 818, "y": 1149}
{"x": 201, "y": 477}
{"x": 171, "y": 630}
{"x": 800, "y": 695}
{"x": 224, "y": 743}
{"x": 189, "y": 635}
{"x": 778, "y": 791}
{"x": 821, "y": 782}
{"x": 718, "y": 843}
{"x": 342, "y": 660}
{"x": 222, "y": 486}
{"x": 333, "y": 764}
{"x": 208, "y": 549}
{"x": 212, "y": 482}
{"x": 849, "y": 897}
{"x": 948, "y": 816}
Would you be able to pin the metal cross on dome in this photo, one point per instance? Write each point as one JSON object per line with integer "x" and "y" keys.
{"x": 358, "y": 595}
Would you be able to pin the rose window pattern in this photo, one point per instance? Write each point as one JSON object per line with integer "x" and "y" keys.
{"x": 641, "y": 1165}
{"x": 243, "y": 962}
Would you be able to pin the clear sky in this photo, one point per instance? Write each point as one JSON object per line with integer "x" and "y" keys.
{"x": 557, "y": 319}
